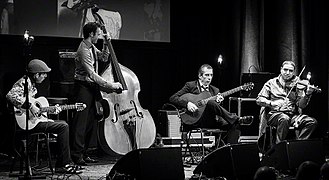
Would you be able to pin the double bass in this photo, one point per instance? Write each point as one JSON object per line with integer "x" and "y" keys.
{"x": 128, "y": 126}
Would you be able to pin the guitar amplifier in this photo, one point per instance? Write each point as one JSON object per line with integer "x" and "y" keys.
{"x": 168, "y": 124}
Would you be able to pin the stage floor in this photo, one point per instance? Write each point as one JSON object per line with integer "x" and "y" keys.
{"x": 96, "y": 171}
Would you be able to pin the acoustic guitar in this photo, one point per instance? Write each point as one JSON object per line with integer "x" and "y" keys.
{"x": 41, "y": 116}
{"x": 200, "y": 100}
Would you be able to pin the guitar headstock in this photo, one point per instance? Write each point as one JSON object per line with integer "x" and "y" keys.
{"x": 248, "y": 86}
{"x": 80, "y": 106}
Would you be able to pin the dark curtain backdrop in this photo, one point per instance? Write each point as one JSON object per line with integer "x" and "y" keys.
{"x": 253, "y": 36}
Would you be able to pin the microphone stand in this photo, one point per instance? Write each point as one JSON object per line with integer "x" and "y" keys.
{"x": 28, "y": 41}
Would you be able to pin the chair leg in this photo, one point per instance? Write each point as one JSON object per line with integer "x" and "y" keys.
{"x": 49, "y": 155}
{"x": 202, "y": 144}
{"x": 188, "y": 148}
{"x": 13, "y": 163}
{"x": 219, "y": 140}
{"x": 37, "y": 150}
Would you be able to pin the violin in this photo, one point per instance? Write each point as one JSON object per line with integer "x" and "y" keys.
{"x": 304, "y": 84}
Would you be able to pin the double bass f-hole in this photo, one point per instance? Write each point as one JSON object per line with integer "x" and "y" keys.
{"x": 119, "y": 113}
{"x": 121, "y": 132}
{"x": 139, "y": 114}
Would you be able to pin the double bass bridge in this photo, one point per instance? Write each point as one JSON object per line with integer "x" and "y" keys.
{"x": 128, "y": 116}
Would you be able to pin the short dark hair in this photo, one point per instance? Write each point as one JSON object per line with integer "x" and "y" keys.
{"x": 200, "y": 72}
{"x": 89, "y": 28}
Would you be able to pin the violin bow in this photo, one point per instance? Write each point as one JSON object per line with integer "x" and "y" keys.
{"x": 296, "y": 81}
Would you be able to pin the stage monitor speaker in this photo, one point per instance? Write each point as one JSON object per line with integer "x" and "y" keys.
{"x": 237, "y": 161}
{"x": 259, "y": 79}
{"x": 288, "y": 155}
{"x": 149, "y": 164}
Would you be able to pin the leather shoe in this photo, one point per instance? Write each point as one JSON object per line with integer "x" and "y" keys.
{"x": 246, "y": 120}
{"x": 90, "y": 160}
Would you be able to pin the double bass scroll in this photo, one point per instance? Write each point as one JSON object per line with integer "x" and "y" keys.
{"x": 128, "y": 126}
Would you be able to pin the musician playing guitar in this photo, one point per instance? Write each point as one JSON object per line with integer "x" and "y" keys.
{"x": 37, "y": 72}
{"x": 202, "y": 103}
{"x": 282, "y": 101}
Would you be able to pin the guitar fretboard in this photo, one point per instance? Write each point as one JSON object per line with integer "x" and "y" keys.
{"x": 63, "y": 107}
{"x": 226, "y": 93}
{"x": 232, "y": 91}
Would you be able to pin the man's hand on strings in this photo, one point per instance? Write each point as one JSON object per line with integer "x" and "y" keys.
{"x": 114, "y": 87}
{"x": 57, "y": 109}
{"x": 309, "y": 90}
{"x": 107, "y": 36}
{"x": 34, "y": 110}
{"x": 219, "y": 98}
{"x": 191, "y": 107}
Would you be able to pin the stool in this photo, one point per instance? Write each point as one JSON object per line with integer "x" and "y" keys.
{"x": 21, "y": 154}
{"x": 203, "y": 131}
{"x": 61, "y": 101}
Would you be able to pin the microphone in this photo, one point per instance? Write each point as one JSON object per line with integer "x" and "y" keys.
{"x": 28, "y": 40}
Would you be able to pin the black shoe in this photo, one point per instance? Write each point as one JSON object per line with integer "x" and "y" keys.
{"x": 89, "y": 160}
{"x": 246, "y": 120}
{"x": 68, "y": 169}
{"x": 81, "y": 162}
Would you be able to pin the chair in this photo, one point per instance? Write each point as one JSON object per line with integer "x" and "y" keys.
{"x": 187, "y": 138}
{"x": 19, "y": 144}
{"x": 266, "y": 139}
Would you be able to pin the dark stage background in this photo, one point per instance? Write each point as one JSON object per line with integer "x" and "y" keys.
{"x": 199, "y": 33}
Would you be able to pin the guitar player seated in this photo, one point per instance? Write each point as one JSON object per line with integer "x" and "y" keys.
{"x": 202, "y": 103}
{"x": 37, "y": 71}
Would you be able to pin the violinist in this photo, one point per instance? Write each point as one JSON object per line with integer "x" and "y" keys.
{"x": 86, "y": 90}
{"x": 283, "y": 99}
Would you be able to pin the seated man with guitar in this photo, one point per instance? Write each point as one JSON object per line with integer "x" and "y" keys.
{"x": 202, "y": 103}
{"x": 282, "y": 101}
{"x": 38, "y": 121}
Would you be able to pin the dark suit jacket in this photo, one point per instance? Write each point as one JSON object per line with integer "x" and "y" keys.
{"x": 190, "y": 87}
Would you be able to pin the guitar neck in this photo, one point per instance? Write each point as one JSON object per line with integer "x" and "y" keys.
{"x": 63, "y": 107}
{"x": 226, "y": 93}
{"x": 232, "y": 91}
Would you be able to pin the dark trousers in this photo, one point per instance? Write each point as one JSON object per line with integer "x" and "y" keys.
{"x": 283, "y": 121}
{"x": 215, "y": 116}
{"x": 60, "y": 128}
{"x": 83, "y": 123}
